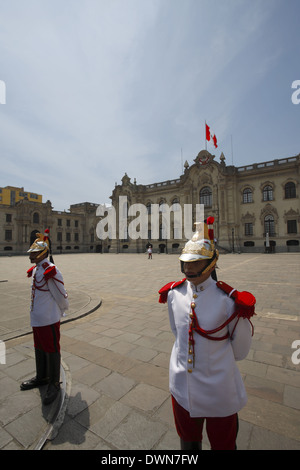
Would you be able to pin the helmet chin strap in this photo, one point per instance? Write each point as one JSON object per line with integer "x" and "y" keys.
{"x": 42, "y": 254}
{"x": 192, "y": 276}
{"x": 204, "y": 270}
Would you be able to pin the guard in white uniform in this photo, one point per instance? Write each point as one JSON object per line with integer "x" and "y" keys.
{"x": 49, "y": 301}
{"x": 211, "y": 324}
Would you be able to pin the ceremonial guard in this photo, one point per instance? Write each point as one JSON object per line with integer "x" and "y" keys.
{"x": 212, "y": 328}
{"x": 49, "y": 301}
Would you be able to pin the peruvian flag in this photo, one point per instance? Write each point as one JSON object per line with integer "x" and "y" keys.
{"x": 210, "y": 135}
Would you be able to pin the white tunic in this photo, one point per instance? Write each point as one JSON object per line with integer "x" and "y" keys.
{"x": 214, "y": 388}
{"x": 49, "y": 298}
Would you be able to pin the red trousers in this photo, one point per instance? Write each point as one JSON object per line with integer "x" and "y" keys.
{"x": 47, "y": 338}
{"x": 221, "y": 432}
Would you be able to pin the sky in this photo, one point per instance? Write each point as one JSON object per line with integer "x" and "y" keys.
{"x": 91, "y": 89}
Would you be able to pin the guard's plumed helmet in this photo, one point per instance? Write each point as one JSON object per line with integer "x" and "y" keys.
{"x": 201, "y": 246}
{"x": 41, "y": 243}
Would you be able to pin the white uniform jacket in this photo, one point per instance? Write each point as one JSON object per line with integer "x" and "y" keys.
{"x": 214, "y": 387}
{"x": 49, "y": 299}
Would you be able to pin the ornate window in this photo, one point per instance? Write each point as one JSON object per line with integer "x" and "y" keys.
{"x": 248, "y": 229}
{"x": 206, "y": 196}
{"x": 269, "y": 224}
{"x": 292, "y": 226}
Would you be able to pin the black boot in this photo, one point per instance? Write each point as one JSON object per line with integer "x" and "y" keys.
{"x": 41, "y": 372}
{"x": 184, "y": 445}
{"x": 54, "y": 376}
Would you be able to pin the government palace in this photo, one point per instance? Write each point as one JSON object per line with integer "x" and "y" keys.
{"x": 255, "y": 207}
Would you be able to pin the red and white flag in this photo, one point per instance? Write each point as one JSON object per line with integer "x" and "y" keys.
{"x": 210, "y": 135}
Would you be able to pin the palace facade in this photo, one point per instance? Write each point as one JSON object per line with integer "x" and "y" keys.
{"x": 256, "y": 209}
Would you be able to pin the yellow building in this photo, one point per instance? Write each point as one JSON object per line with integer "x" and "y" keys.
{"x": 10, "y": 195}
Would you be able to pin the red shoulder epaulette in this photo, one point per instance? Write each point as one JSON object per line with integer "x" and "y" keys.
{"x": 29, "y": 272}
{"x": 49, "y": 272}
{"x": 244, "y": 301}
{"x": 163, "y": 297}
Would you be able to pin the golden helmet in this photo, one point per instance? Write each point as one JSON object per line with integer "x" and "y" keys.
{"x": 41, "y": 243}
{"x": 201, "y": 245}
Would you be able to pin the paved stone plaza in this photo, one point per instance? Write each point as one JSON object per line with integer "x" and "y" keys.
{"x": 115, "y": 356}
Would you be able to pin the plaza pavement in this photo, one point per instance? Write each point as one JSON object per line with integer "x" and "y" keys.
{"x": 116, "y": 345}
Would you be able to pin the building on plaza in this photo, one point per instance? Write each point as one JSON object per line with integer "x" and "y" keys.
{"x": 71, "y": 231}
{"x": 256, "y": 209}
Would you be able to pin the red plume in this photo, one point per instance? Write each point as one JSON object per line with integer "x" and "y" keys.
{"x": 46, "y": 233}
{"x": 210, "y": 220}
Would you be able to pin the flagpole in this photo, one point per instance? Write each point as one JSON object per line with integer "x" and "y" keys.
{"x": 205, "y": 135}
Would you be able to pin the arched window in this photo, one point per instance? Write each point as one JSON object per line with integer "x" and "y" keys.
{"x": 175, "y": 204}
{"x": 162, "y": 206}
{"x": 206, "y": 196}
{"x": 36, "y": 218}
{"x": 290, "y": 190}
{"x": 268, "y": 193}
{"x": 247, "y": 195}
{"x": 269, "y": 225}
